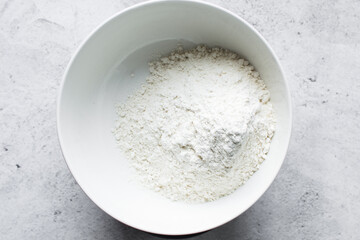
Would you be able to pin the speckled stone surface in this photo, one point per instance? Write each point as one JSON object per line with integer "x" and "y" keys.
{"x": 316, "y": 194}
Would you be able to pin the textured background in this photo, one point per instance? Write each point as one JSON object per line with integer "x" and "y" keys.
{"x": 316, "y": 194}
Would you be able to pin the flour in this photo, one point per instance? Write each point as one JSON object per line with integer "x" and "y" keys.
{"x": 199, "y": 127}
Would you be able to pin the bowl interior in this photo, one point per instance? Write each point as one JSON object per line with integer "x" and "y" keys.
{"x": 110, "y": 65}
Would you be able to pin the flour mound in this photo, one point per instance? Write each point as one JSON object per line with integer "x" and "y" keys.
{"x": 199, "y": 127}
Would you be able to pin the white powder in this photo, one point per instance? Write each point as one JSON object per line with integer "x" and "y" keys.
{"x": 199, "y": 127}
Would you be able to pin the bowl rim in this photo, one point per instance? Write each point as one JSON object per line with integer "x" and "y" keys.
{"x": 143, "y": 4}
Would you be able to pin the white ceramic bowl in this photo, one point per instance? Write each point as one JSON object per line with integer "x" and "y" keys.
{"x": 99, "y": 76}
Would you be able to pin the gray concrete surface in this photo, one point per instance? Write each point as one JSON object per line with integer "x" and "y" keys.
{"x": 316, "y": 194}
